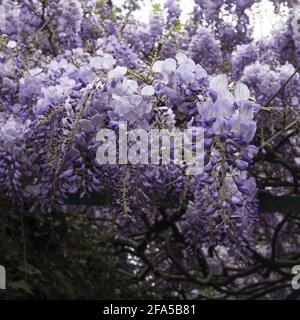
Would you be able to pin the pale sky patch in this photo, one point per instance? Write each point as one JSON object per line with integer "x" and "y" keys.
{"x": 262, "y": 16}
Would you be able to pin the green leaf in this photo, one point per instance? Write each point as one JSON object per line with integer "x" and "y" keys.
{"x": 156, "y": 7}
{"x": 178, "y": 26}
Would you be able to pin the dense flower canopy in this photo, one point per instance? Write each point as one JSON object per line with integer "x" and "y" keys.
{"x": 70, "y": 68}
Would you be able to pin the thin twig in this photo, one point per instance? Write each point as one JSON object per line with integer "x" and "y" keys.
{"x": 282, "y": 87}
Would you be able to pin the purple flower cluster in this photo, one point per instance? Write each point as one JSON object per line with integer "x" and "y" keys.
{"x": 244, "y": 55}
{"x": 206, "y": 50}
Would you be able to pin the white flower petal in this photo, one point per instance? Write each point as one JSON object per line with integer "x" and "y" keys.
{"x": 108, "y": 61}
{"x": 225, "y": 94}
{"x": 219, "y": 82}
{"x": 132, "y": 85}
{"x": 169, "y": 65}
{"x": 157, "y": 66}
{"x": 118, "y": 72}
{"x": 147, "y": 91}
{"x": 241, "y": 92}
{"x": 11, "y": 44}
{"x": 180, "y": 57}
{"x": 96, "y": 62}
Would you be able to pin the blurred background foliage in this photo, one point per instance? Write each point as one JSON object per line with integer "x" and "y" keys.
{"x": 59, "y": 256}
